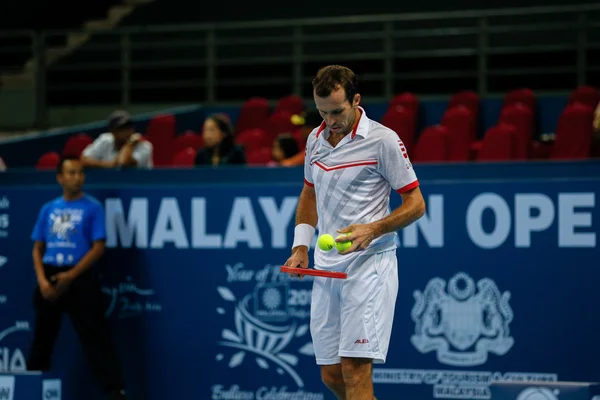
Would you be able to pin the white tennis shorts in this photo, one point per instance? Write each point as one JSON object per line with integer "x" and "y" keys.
{"x": 353, "y": 317}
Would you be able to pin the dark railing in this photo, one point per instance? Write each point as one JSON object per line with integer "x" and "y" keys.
{"x": 490, "y": 51}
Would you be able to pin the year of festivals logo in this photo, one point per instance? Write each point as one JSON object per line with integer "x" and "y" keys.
{"x": 268, "y": 331}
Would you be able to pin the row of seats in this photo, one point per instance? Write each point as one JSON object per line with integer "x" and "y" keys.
{"x": 454, "y": 139}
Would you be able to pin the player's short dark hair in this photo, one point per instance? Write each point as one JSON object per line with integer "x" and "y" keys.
{"x": 61, "y": 163}
{"x": 329, "y": 77}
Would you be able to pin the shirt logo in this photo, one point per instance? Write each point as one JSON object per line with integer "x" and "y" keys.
{"x": 64, "y": 222}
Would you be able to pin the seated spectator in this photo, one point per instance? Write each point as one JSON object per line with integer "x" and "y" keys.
{"x": 219, "y": 147}
{"x": 2, "y": 165}
{"x": 312, "y": 120}
{"x": 121, "y": 147}
{"x": 284, "y": 147}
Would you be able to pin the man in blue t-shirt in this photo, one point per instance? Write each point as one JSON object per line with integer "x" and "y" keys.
{"x": 69, "y": 238}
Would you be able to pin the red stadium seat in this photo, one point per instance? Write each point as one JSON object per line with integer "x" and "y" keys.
{"x": 76, "y": 144}
{"x": 161, "y": 133}
{"x": 522, "y": 118}
{"x": 293, "y": 104}
{"x": 185, "y": 158}
{"x": 573, "y": 136}
{"x": 408, "y": 100}
{"x": 433, "y": 145}
{"x": 468, "y": 99}
{"x": 253, "y": 114}
{"x": 260, "y": 156}
{"x": 585, "y": 94}
{"x": 254, "y": 139}
{"x": 279, "y": 122}
{"x": 460, "y": 122}
{"x": 48, "y": 160}
{"x": 402, "y": 121}
{"x": 187, "y": 139}
{"x": 524, "y": 96}
{"x": 499, "y": 144}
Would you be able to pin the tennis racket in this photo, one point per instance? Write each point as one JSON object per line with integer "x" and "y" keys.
{"x": 313, "y": 272}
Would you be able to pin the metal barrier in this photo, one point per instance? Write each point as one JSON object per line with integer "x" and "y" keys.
{"x": 489, "y": 51}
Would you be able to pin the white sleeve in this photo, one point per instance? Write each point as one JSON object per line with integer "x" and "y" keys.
{"x": 142, "y": 153}
{"x": 96, "y": 150}
{"x": 395, "y": 166}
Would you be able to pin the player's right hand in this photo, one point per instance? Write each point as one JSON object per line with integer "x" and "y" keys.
{"x": 299, "y": 259}
{"x": 48, "y": 291}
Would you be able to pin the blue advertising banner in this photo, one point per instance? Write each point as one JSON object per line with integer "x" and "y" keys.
{"x": 498, "y": 281}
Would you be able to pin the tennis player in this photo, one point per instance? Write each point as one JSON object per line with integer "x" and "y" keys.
{"x": 351, "y": 165}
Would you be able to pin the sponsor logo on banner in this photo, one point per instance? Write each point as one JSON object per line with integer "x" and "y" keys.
{"x": 267, "y": 330}
{"x": 51, "y": 389}
{"x": 460, "y": 322}
{"x": 463, "y": 322}
{"x": 3, "y": 260}
{"x": 4, "y": 203}
{"x": 538, "y": 393}
{"x": 449, "y": 384}
{"x": 11, "y": 358}
{"x": 128, "y": 300}
{"x": 7, "y": 387}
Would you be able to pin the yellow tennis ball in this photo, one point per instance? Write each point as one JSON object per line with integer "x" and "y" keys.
{"x": 341, "y": 246}
{"x": 326, "y": 242}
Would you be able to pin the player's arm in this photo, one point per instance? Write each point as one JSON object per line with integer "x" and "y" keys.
{"x": 306, "y": 222}
{"x": 412, "y": 208}
{"x": 395, "y": 167}
{"x": 306, "y": 213}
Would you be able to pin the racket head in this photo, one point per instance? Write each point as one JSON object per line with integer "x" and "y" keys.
{"x": 313, "y": 272}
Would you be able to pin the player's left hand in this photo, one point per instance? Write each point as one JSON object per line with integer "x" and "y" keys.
{"x": 361, "y": 235}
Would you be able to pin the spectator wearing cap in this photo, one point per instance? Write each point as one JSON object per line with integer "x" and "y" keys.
{"x": 121, "y": 147}
{"x": 312, "y": 119}
{"x": 219, "y": 146}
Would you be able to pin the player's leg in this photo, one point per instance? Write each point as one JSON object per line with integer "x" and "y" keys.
{"x": 86, "y": 308}
{"x": 325, "y": 332}
{"x": 48, "y": 318}
{"x": 368, "y": 303}
{"x": 333, "y": 378}
{"x": 357, "y": 376}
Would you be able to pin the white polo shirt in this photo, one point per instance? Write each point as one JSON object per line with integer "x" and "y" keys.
{"x": 103, "y": 149}
{"x": 353, "y": 182}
